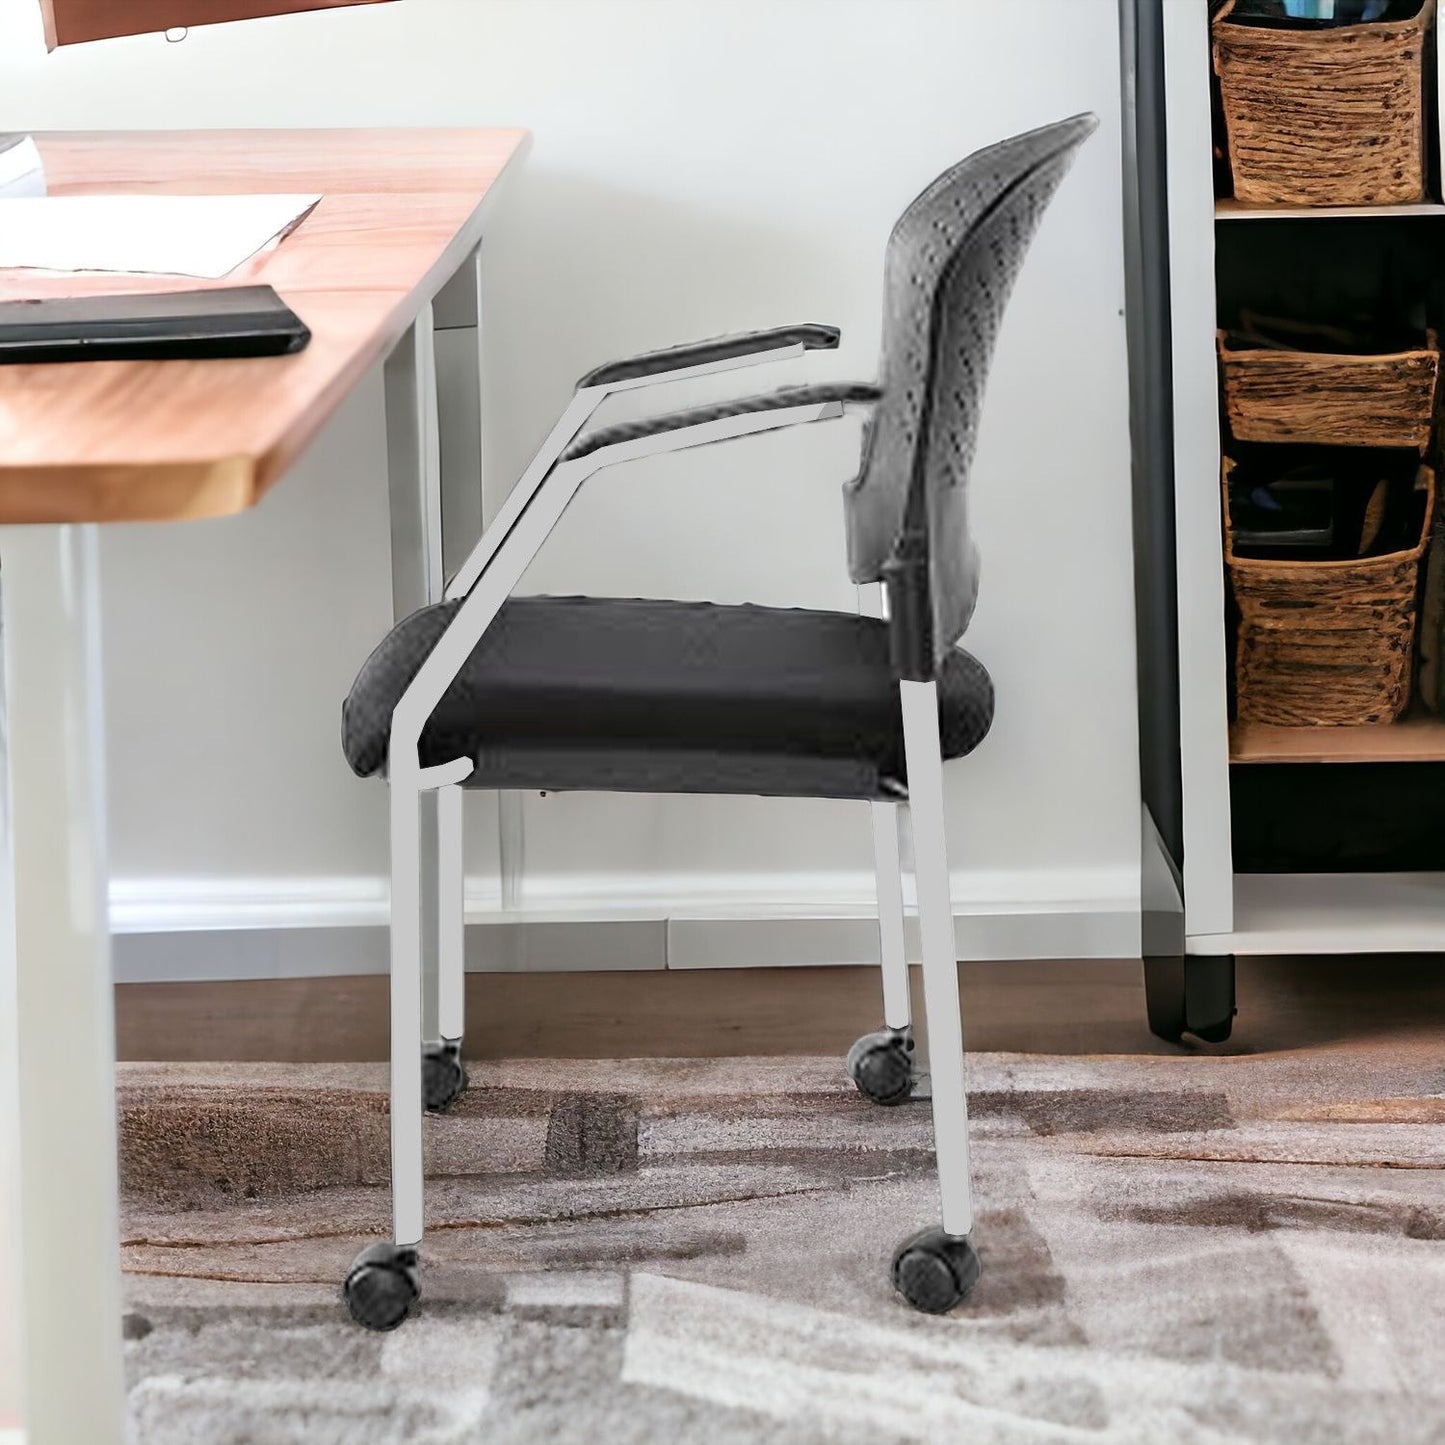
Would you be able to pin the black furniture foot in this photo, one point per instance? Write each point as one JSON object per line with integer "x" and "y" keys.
{"x": 1194, "y": 994}
{"x": 443, "y": 1076}
{"x": 881, "y": 1065}
{"x": 382, "y": 1285}
{"x": 935, "y": 1271}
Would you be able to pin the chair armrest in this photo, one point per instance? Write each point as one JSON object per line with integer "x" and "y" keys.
{"x": 703, "y": 357}
{"x": 510, "y": 543}
{"x": 628, "y": 431}
{"x": 719, "y": 348}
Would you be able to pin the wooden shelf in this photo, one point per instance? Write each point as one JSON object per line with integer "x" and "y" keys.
{"x": 1415, "y": 739}
{"x": 1228, "y": 209}
{"x": 1305, "y": 913}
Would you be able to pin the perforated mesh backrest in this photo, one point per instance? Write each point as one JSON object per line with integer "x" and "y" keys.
{"x": 951, "y": 263}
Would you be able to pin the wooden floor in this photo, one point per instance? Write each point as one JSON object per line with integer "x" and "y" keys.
{"x": 1054, "y": 1007}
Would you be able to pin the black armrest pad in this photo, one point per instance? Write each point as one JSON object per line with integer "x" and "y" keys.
{"x": 720, "y": 348}
{"x": 628, "y": 431}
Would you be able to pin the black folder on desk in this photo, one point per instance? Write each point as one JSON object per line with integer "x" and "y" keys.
{"x": 225, "y": 321}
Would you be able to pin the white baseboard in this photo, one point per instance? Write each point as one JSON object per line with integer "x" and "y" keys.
{"x": 192, "y": 929}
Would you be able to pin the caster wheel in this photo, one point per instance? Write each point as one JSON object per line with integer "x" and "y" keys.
{"x": 443, "y": 1077}
{"x": 383, "y": 1284}
{"x": 935, "y": 1271}
{"x": 881, "y": 1065}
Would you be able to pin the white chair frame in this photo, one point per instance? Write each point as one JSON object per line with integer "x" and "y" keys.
{"x": 483, "y": 584}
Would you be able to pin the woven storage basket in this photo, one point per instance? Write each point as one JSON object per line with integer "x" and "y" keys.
{"x": 1329, "y": 397}
{"x": 1324, "y": 117}
{"x": 1325, "y": 643}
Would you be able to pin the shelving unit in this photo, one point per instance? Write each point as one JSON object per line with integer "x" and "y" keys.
{"x": 1224, "y": 913}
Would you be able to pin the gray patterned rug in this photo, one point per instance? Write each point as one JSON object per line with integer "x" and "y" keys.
{"x": 1199, "y": 1249}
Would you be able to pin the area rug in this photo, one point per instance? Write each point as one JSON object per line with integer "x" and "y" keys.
{"x": 1185, "y": 1250}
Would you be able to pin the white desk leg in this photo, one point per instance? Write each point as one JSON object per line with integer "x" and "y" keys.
{"x": 413, "y": 463}
{"x": 70, "y": 1265}
{"x": 465, "y": 509}
{"x": 457, "y": 319}
{"x": 435, "y": 460}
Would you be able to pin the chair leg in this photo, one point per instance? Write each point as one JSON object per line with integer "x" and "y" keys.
{"x": 384, "y": 1280}
{"x": 897, "y": 1007}
{"x": 936, "y": 1269}
{"x": 428, "y": 873}
{"x": 451, "y": 914}
{"x": 444, "y": 1076}
{"x": 882, "y": 1063}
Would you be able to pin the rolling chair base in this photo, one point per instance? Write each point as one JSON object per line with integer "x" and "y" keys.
{"x": 443, "y": 1076}
{"x": 881, "y": 1065}
{"x": 935, "y": 1272}
{"x": 382, "y": 1285}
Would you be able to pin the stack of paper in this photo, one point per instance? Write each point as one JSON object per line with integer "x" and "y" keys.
{"x": 21, "y": 171}
{"x": 203, "y": 236}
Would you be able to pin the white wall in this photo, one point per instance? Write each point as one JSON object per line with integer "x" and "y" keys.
{"x": 699, "y": 166}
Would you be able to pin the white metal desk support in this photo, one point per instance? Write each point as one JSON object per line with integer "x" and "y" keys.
{"x": 434, "y": 469}
{"x": 54, "y": 791}
{"x": 53, "y": 788}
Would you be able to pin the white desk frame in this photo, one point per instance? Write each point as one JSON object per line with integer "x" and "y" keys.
{"x": 57, "y": 977}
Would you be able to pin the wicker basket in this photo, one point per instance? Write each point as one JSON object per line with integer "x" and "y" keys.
{"x": 1325, "y": 644}
{"x": 1329, "y": 397}
{"x": 1324, "y": 117}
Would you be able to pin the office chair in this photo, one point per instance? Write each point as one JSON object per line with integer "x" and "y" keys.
{"x": 486, "y": 690}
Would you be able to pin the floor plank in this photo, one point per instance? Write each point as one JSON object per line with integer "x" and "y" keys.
{"x": 1052, "y": 1007}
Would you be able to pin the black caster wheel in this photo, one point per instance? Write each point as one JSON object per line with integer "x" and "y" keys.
{"x": 443, "y": 1077}
{"x": 881, "y": 1064}
{"x": 383, "y": 1284}
{"x": 935, "y": 1271}
{"x": 1190, "y": 995}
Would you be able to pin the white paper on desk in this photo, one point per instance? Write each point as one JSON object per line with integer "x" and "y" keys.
{"x": 204, "y": 236}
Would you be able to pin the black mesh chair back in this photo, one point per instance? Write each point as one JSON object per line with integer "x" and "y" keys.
{"x": 951, "y": 264}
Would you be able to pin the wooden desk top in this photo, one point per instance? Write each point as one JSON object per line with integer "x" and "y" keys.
{"x": 166, "y": 440}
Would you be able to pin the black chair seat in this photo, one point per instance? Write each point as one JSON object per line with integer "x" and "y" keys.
{"x": 609, "y": 695}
